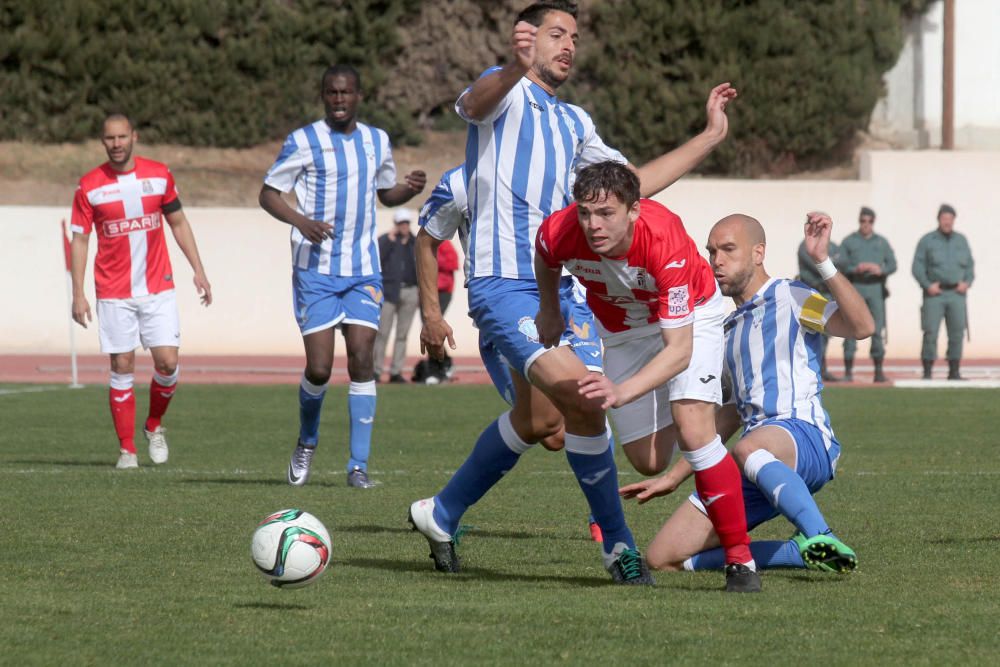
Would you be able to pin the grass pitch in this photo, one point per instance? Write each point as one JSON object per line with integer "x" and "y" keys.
{"x": 99, "y": 566}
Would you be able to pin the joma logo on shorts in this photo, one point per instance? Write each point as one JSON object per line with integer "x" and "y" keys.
{"x": 128, "y": 225}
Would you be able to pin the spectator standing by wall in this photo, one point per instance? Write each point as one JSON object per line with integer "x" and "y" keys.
{"x": 399, "y": 285}
{"x": 944, "y": 268}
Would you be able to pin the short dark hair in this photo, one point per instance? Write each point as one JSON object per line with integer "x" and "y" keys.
{"x": 341, "y": 70}
{"x": 117, "y": 115}
{"x": 609, "y": 177}
{"x": 535, "y": 14}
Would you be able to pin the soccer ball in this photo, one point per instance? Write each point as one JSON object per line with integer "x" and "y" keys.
{"x": 291, "y": 548}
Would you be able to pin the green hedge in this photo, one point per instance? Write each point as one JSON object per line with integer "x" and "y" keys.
{"x": 808, "y": 73}
{"x": 196, "y": 72}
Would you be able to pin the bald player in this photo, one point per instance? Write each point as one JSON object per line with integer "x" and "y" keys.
{"x": 788, "y": 450}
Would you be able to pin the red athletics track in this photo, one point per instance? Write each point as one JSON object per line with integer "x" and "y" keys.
{"x": 223, "y": 369}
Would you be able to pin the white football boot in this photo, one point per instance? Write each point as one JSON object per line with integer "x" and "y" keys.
{"x": 158, "y": 451}
{"x": 441, "y": 543}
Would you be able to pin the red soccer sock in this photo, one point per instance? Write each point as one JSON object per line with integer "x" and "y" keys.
{"x": 161, "y": 390}
{"x": 719, "y": 487}
{"x": 122, "y": 402}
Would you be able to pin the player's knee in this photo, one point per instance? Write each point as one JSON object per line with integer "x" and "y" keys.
{"x": 742, "y": 451}
{"x": 663, "y": 560}
{"x": 317, "y": 374}
{"x": 166, "y": 368}
{"x": 555, "y": 442}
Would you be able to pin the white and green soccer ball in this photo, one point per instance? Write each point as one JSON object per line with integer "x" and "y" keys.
{"x": 291, "y": 548}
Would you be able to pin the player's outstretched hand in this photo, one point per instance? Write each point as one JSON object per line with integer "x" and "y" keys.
{"x": 433, "y": 335}
{"x": 598, "y": 387}
{"x": 648, "y": 489}
{"x": 204, "y": 289}
{"x": 81, "y": 311}
{"x": 718, "y": 122}
{"x": 416, "y": 180}
{"x": 817, "y": 231}
{"x": 315, "y": 231}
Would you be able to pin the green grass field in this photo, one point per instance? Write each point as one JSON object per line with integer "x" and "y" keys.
{"x": 100, "y": 566}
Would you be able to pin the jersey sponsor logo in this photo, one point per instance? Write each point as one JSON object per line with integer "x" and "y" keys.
{"x": 526, "y": 325}
{"x": 581, "y": 268}
{"x": 536, "y": 106}
{"x": 580, "y": 331}
{"x": 375, "y": 293}
{"x": 676, "y": 264}
{"x": 677, "y": 301}
{"x": 126, "y": 226}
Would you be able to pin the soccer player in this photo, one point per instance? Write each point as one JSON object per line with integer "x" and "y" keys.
{"x": 126, "y": 199}
{"x": 523, "y": 149}
{"x": 788, "y": 450}
{"x": 337, "y": 167}
{"x": 660, "y": 314}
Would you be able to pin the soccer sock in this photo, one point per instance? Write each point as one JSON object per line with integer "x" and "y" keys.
{"x": 497, "y": 451}
{"x": 121, "y": 398}
{"x": 767, "y": 555}
{"x": 310, "y": 403}
{"x": 786, "y": 491}
{"x": 717, "y": 479}
{"x": 361, "y": 409}
{"x": 593, "y": 462}
{"x": 611, "y": 446}
{"x": 161, "y": 390}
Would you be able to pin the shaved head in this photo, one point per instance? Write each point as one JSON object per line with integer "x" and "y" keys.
{"x": 750, "y": 228}
{"x": 736, "y": 252}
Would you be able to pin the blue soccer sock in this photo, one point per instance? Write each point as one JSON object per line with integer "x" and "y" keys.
{"x": 786, "y": 491}
{"x": 767, "y": 555}
{"x": 310, "y": 404}
{"x": 611, "y": 446}
{"x": 593, "y": 462}
{"x": 361, "y": 410}
{"x": 497, "y": 451}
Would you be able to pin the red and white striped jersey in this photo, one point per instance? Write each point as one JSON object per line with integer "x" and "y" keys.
{"x": 127, "y": 210}
{"x": 662, "y": 278}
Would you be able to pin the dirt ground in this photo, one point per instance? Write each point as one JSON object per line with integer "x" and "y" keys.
{"x": 47, "y": 174}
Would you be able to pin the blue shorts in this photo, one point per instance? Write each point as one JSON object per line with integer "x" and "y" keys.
{"x": 814, "y": 463}
{"x": 497, "y": 369}
{"x": 504, "y": 310}
{"x": 323, "y": 301}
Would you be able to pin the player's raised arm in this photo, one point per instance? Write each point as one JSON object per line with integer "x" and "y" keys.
{"x": 663, "y": 171}
{"x": 853, "y": 319}
{"x": 435, "y": 330}
{"x": 486, "y": 93}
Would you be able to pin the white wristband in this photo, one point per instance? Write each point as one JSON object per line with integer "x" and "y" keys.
{"x": 826, "y": 269}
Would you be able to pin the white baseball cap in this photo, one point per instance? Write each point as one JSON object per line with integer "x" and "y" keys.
{"x": 402, "y": 215}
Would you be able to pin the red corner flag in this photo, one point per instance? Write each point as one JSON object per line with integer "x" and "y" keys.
{"x": 66, "y": 247}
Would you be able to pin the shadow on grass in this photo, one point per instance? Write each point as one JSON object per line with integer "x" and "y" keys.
{"x": 80, "y": 464}
{"x": 479, "y": 573}
{"x": 272, "y": 606}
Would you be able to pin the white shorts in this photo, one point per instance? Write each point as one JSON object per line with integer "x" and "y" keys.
{"x": 151, "y": 320}
{"x": 700, "y": 381}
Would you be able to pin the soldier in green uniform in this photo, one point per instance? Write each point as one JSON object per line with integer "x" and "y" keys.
{"x": 810, "y": 276}
{"x": 866, "y": 258}
{"x": 944, "y": 268}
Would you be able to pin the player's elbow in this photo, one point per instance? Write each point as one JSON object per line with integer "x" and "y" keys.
{"x": 865, "y": 328}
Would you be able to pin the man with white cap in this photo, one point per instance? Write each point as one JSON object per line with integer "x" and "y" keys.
{"x": 400, "y": 293}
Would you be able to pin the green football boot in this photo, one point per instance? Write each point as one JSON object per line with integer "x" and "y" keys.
{"x": 825, "y": 553}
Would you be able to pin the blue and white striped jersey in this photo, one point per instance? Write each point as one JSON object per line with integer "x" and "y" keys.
{"x": 521, "y": 163}
{"x": 773, "y": 351}
{"x": 446, "y": 211}
{"x": 335, "y": 177}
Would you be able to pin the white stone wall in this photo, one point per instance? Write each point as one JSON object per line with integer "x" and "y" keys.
{"x": 247, "y": 256}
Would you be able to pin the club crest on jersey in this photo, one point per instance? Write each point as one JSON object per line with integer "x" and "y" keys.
{"x": 758, "y": 315}
{"x": 375, "y": 293}
{"x": 642, "y": 280}
{"x": 126, "y": 226}
{"x": 526, "y": 325}
{"x": 147, "y": 187}
{"x": 677, "y": 300}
